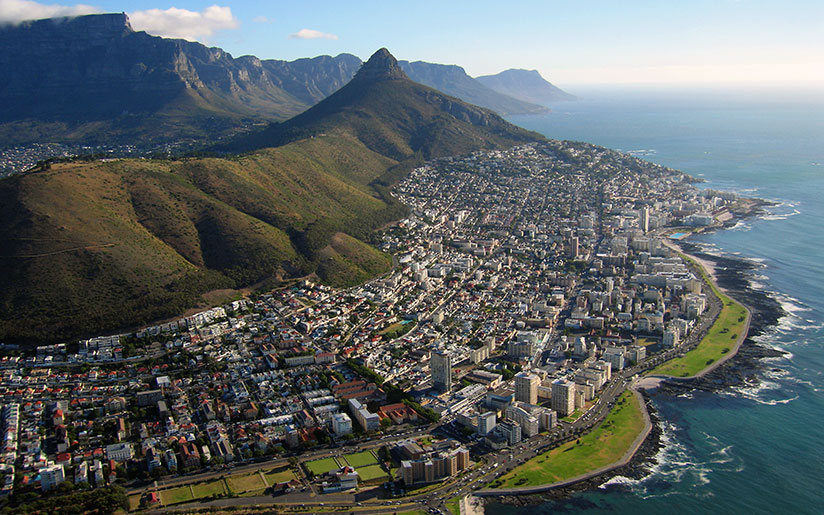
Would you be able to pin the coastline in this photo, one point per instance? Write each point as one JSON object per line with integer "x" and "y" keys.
{"x": 738, "y": 369}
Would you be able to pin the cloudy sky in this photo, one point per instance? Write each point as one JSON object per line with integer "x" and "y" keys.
{"x": 694, "y": 42}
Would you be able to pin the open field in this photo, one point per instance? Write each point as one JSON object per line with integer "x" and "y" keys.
{"x": 245, "y": 483}
{"x": 176, "y": 495}
{"x": 361, "y": 459}
{"x": 605, "y": 445}
{"x": 279, "y": 475}
{"x": 372, "y": 472}
{"x": 209, "y": 488}
{"x": 134, "y": 502}
{"x": 319, "y": 467}
{"x": 719, "y": 340}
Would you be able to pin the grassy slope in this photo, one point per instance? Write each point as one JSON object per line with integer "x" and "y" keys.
{"x": 719, "y": 340}
{"x": 93, "y": 247}
{"x": 603, "y": 446}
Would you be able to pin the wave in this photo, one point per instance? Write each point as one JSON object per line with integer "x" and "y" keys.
{"x": 782, "y": 216}
{"x": 676, "y": 464}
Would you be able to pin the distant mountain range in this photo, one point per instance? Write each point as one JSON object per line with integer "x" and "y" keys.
{"x": 90, "y": 247}
{"x": 95, "y": 80}
{"x": 525, "y": 85}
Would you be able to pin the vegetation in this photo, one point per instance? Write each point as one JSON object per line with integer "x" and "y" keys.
{"x": 603, "y": 446}
{"x": 100, "y": 500}
{"x": 372, "y": 473}
{"x": 322, "y": 466}
{"x": 718, "y": 341}
{"x": 279, "y": 475}
{"x": 213, "y": 488}
{"x": 361, "y": 459}
{"x": 176, "y": 495}
{"x": 245, "y": 483}
{"x": 93, "y": 247}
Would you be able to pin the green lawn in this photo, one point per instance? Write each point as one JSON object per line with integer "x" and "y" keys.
{"x": 603, "y": 446}
{"x": 361, "y": 459}
{"x": 175, "y": 495}
{"x": 454, "y": 506}
{"x": 245, "y": 483}
{"x": 320, "y": 467}
{"x": 371, "y": 472}
{"x": 719, "y": 340}
{"x": 280, "y": 475}
{"x": 575, "y": 415}
{"x": 209, "y": 488}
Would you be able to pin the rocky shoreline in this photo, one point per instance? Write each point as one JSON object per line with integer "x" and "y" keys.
{"x": 638, "y": 467}
{"x": 741, "y": 370}
{"x": 731, "y": 274}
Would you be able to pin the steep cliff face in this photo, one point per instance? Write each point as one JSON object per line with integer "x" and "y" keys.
{"x": 67, "y": 72}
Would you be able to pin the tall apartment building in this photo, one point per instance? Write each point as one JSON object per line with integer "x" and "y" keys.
{"x": 440, "y": 366}
{"x": 526, "y": 387}
{"x": 563, "y": 397}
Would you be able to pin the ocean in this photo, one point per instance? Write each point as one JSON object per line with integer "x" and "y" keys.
{"x": 748, "y": 449}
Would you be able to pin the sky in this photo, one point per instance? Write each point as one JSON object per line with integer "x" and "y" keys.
{"x": 694, "y": 42}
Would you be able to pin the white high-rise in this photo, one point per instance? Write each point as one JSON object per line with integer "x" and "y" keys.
{"x": 526, "y": 387}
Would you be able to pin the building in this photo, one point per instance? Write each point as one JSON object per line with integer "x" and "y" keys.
{"x": 149, "y": 398}
{"x": 51, "y": 476}
{"x": 120, "y": 452}
{"x": 530, "y": 426}
{"x": 440, "y": 366}
{"x": 671, "y": 338}
{"x": 486, "y": 422}
{"x": 368, "y": 421}
{"x": 341, "y": 424}
{"x": 434, "y": 466}
{"x": 526, "y": 387}
{"x": 615, "y": 357}
{"x": 563, "y": 397}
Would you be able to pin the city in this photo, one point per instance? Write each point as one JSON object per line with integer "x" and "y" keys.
{"x": 530, "y": 287}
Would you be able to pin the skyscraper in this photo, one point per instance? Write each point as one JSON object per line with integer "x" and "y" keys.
{"x": 526, "y": 387}
{"x": 563, "y": 397}
{"x": 440, "y": 366}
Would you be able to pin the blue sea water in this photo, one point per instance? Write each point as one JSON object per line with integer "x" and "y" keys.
{"x": 746, "y": 450}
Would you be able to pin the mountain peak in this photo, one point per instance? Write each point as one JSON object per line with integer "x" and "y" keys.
{"x": 381, "y": 66}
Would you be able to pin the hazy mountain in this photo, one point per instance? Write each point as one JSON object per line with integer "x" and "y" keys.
{"x": 453, "y": 80}
{"x": 95, "y": 247}
{"x": 94, "y": 79}
{"x": 526, "y": 85}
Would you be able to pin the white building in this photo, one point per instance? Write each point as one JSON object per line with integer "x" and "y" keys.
{"x": 563, "y": 397}
{"x": 341, "y": 424}
{"x": 120, "y": 452}
{"x": 526, "y": 387}
{"x": 51, "y": 476}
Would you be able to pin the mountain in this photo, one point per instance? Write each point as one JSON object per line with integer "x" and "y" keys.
{"x": 392, "y": 115}
{"x": 454, "y": 81}
{"x": 91, "y": 247}
{"x": 93, "y": 79}
{"x": 526, "y": 85}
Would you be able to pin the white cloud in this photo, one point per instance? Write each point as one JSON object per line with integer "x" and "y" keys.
{"x": 15, "y": 11}
{"x": 183, "y": 23}
{"x": 311, "y": 34}
{"x": 262, "y": 19}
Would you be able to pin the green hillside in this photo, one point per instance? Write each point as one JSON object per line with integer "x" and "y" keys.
{"x": 89, "y": 248}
